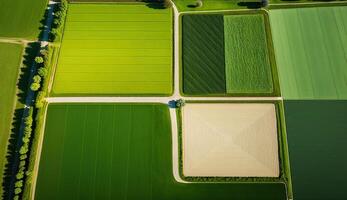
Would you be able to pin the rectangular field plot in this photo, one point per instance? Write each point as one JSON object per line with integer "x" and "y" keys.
{"x": 20, "y": 18}
{"x": 203, "y": 54}
{"x": 230, "y": 140}
{"x": 227, "y": 55}
{"x": 311, "y": 51}
{"x": 10, "y": 58}
{"x": 248, "y": 68}
{"x": 115, "y": 49}
{"x": 317, "y": 138}
{"x": 121, "y": 151}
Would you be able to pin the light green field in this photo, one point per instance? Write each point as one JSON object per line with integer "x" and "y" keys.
{"x": 21, "y": 18}
{"x": 248, "y": 68}
{"x": 10, "y": 57}
{"x": 115, "y": 49}
{"x": 122, "y": 151}
{"x": 311, "y": 52}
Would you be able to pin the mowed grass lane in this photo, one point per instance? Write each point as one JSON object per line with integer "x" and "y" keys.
{"x": 203, "y": 54}
{"x": 21, "y": 18}
{"x": 111, "y": 49}
{"x": 248, "y": 68}
{"x": 10, "y": 57}
{"x": 311, "y": 52}
{"x": 121, "y": 151}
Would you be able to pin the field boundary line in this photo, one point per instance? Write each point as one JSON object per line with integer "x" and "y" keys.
{"x": 164, "y": 100}
{"x": 38, "y": 156}
{"x": 16, "y": 40}
{"x": 298, "y": 5}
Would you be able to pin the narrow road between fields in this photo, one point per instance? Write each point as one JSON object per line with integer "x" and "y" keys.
{"x": 29, "y": 101}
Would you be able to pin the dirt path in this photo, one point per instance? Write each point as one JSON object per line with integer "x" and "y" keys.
{"x": 15, "y": 40}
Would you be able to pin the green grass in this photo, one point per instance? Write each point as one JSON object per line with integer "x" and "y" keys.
{"x": 311, "y": 51}
{"x": 10, "y": 57}
{"x": 248, "y": 68}
{"x": 121, "y": 151}
{"x": 21, "y": 18}
{"x": 115, "y": 49}
{"x": 316, "y": 131}
{"x": 203, "y": 54}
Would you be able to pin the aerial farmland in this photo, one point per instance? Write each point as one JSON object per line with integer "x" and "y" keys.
{"x": 173, "y": 99}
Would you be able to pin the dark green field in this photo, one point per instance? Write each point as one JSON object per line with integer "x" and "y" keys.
{"x": 317, "y": 136}
{"x": 121, "y": 151}
{"x": 203, "y": 54}
{"x": 21, "y": 18}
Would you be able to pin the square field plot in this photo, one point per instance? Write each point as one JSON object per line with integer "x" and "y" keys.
{"x": 230, "y": 140}
{"x": 311, "y": 52}
{"x": 115, "y": 49}
{"x": 122, "y": 151}
{"x": 227, "y": 55}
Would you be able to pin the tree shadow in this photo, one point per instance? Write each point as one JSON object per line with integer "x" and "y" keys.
{"x": 10, "y": 171}
{"x": 28, "y": 60}
{"x": 158, "y": 4}
{"x": 251, "y": 5}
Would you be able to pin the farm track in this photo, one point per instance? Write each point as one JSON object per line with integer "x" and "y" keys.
{"x": 15, "y": 40}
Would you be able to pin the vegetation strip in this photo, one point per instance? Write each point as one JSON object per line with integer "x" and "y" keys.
{"x": 248, "y": 68}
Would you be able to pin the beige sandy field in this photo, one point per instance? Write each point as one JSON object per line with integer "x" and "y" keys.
{"x": 230, "y": 140}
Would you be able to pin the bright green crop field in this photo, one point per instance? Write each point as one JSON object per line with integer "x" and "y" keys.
{"x": 248, "y": 68}
{"x": 115, "y": 49}
{"x": 122, "y": 151}
{"x": 10, "y": 57}
{"x": 21, "y": 18}
{"x": 311, "y": 51}
{"x": 203, "y": 54}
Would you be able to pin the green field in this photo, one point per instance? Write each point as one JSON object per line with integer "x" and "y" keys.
{"x": 115, "y": 49}
{"x": 21, "y": 18}
{"x": 311, "y": 51}
{"x": 248, "y": 68}
{"x": 226, "y": 55}
{"x": 203, "y": 54}
{"x": 121, "y": 151}
{"x": 316, "y": 131}
{"x": 10, "y": 57}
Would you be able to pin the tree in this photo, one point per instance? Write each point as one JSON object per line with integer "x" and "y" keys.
{"x": 40, "y": 99}
{"x": 37, "y": 79}
{"x": 35, "y": 86}
{"x": 17, "y": 190}
{"x": 43, "y": 72}
{"x": 39, "y": 59}
{"x": 20, "y": 175}
{"x": 180, "y": 103}
{"x": 23, "y": 150}
{"x": 23, "y": 157}
{"x": 16, "y": 197}
{"x": 19, "y": 183}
